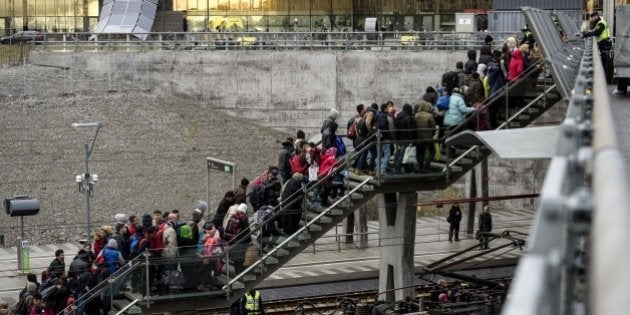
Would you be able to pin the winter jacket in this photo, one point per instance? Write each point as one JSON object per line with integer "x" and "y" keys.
{"x": 485, "y": 222}
{"x": 457, "y": 110}
{"x": 496, "y": 80}
{"x": 284, "y": 158}
{"x": 327, "y": 162}
{"x": 475, "y": 92}
{"x": 485, "y": 54}
{"x": 113, "y": 259}
{"x": 517, "y": 65}
{"x": 405, "y": 124}
{"x": 425, "y": 122}
{"x": 79, "y": 265}
{"x": 471, "y": 64}
{"x": 329, "y": 129}
{"x": 383, "y": 126}
{"x": 455, "y": 215}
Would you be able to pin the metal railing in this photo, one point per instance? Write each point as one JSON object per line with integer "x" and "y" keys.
{"x": 378, "y": 41}
{"x": 575, "y": 262}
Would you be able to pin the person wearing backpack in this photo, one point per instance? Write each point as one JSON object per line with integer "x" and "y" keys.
{"x": 269, "y": 233}
{"x": 329, "y": 129}
{"x": 291, "y": 202}
{"x": 365, "y": 128}
{"x": 212, "y": 262}
{"x": 225, "y": 204}
{"x": 25, "y": 302}
{"x": 237, "y": 235}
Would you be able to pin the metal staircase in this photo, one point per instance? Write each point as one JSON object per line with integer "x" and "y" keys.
{"x": 455, "y": 162}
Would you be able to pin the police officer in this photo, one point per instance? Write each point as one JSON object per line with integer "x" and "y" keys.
{"x": 251, "y": 303}
{"x": 528, "y": 37}
{"x": 601, "y": 32}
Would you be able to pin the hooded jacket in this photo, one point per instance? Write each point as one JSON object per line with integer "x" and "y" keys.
{"x": 405, "y": 124}
{"x": 457, "y": 110}
{"x": 517, "y": 65}
{"x": 471, "y": 64}
{"x": 425, "y": 122}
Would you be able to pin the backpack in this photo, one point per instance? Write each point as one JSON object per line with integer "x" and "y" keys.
{"x": 233, "y": 226}
{"x": 184, "y": 236}
{"x": 263, "y": 214}
{"x": 450, "y": 80}
{"x": 341, "y": 147}
{"x": 139, "y": 249}
{"x": 443, "y": 102}
{"x": 257, "y": 196}
{"x": 134, "y": 240}
{"x": 21, "y": 308}
{"x": 351, "y": 130}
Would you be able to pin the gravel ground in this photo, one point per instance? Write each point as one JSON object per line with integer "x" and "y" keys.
{"x": 150, "y": 153}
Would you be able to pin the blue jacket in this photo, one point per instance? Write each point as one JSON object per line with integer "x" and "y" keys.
{"x": 113, "y": 259}
{"x": 457, "y": 110}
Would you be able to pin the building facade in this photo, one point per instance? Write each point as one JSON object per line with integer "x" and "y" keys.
{"x": 247, "y": 15}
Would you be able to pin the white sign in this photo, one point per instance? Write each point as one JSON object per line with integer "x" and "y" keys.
{"x": 465, "y": 21}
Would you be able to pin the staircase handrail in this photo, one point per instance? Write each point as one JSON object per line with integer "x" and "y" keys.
{"x": 294, "y": 235}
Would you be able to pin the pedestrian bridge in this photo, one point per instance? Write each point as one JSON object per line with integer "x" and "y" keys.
{"x": 571, "y": 241}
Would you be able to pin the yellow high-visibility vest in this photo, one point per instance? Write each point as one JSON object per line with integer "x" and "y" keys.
{"x": 605, "y": 34}
{"x": 251, "y": 303}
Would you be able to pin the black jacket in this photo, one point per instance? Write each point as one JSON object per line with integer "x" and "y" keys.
{"x": 284, "y": 157}
{"x": 455, "y": 215}
{"x": 405, "y": 124}
{"x": 329, "y": 138}
{"x": 485, "y": 222}
{"x": 471, "y": 64}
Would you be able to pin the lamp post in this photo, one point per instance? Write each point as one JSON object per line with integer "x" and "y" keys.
{"x": 86, "y": 180}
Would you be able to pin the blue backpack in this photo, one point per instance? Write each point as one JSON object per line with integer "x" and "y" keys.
{"x": 341, "y": 147}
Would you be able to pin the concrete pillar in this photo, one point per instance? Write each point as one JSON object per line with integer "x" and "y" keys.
{"x": 397, "y": 226}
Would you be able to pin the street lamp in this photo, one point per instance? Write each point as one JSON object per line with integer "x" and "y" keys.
{"x": 86, "y": 180}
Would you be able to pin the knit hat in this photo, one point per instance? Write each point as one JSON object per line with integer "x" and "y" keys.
{"x": 488, "y": 39}
{"x": 481, "y": 69}
{"x": 524, "y": 48}
{"x": 112, "y": 243}
{"x": 121, "y": 218}
{"x": 242, "y": 207}
{"x": 594, "y": 13}
{"x": 334, "y": 113}
{"x": 201, "y": 206}
{"x": 208, "y": 225}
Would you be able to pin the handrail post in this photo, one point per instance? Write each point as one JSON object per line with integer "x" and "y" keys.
{"x": 147, "y": 277}
{"x": 378, "y": 156}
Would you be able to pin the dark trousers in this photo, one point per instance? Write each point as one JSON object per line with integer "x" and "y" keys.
{"x": 453, "y": 231}
{"x": 483, "y": 237}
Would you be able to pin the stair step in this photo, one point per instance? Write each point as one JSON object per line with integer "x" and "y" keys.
{"x": 314, "y": 228}
{"x": 356, "y": 196}
{"x": 235, "y": 286}
{"x": 249, "y": 277}
{"x": 337, "y": 211}
{"x": 270, "y": 260}
{"x": 324, "y": 219}
{"x": 514, "y": 124}
{"x": 120, "y": 304}
{"x": 281, "y": 252}
{"x": 354, "y": 183}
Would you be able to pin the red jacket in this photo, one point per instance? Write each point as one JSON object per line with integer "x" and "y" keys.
{"x": 517, "y": 65}
{"x": 328, "y": 162}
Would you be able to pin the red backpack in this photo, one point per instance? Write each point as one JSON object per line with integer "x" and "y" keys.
{"x": 351, "y": 131}
{"x": 233, "y": 226}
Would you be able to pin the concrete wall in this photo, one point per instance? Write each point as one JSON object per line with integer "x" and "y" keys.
{"x": 164, "y": 112}
{"x": 286, "y": 90}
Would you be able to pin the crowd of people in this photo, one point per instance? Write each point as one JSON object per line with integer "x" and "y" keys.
{"x": 191, "y": 254}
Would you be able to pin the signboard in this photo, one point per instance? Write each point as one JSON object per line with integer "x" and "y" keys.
{"x": 23, "y": 256}
{"x": 221, "y": 166}
{"x": 465, "y": 21}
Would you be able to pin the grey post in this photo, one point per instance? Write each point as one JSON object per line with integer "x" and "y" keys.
{"x": 86, "y": 181}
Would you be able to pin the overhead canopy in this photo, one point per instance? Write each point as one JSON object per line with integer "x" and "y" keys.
{"x": 127, "y": 17}
{"x": 521, "y": 143}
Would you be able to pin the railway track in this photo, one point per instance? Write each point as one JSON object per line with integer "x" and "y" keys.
{"x": 329, "y": 303}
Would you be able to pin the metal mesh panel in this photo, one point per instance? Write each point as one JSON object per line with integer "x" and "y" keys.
{"x": 568, "y": 25}
{"x": 563, "y": 58}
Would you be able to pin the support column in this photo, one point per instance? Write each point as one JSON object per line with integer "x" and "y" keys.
{"x": 397, "y": 226}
